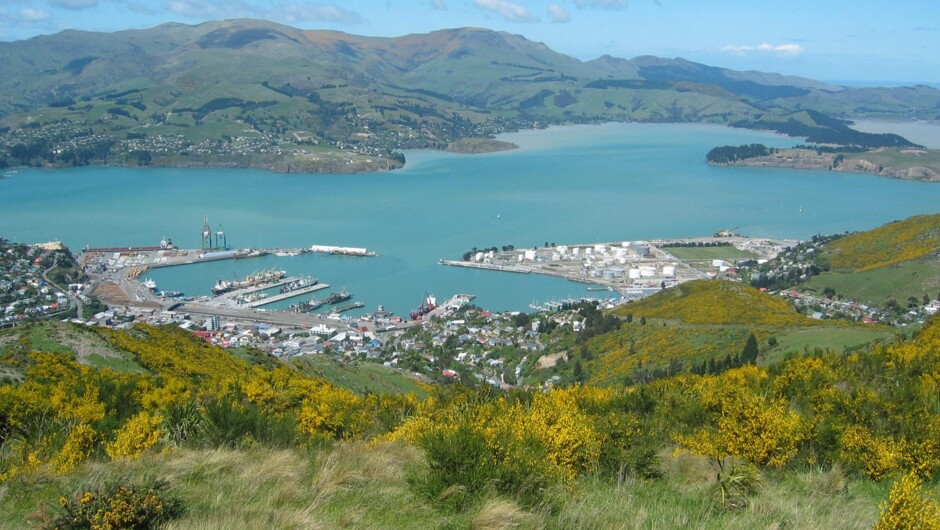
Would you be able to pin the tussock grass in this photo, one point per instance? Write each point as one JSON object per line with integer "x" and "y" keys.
{"x": 502, "y": 514}
{"x": 355, "y": 485}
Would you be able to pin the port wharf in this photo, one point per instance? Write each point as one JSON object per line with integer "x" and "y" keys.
{"x": 632, "y": 268}
{"x": 118, "y": 270}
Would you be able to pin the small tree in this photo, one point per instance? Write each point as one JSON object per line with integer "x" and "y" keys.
{"x": 750, "y": 351}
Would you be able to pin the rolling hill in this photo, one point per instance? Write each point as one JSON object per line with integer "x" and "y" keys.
{"x": 256, "y": 93}
{"x": 892, "y": 266}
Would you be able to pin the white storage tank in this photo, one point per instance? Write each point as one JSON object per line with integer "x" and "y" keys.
{"x": 521, "y": 257}
{"x": 608, "y": 274}
{"x": 641, "y": 250}
{"x": 556, "y": 256}
{"x": 648, "y": 273}
{"x": 669, "y": 271}
{"x": 634, "y": 274}
{"x": 617, "y": 272}
{"x": 478, "y": 257}
{"x": 718, "y": 262}
{"x": 530, "y": 255}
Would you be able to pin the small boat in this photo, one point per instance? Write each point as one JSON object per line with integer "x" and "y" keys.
{"x": 150, "y": 284}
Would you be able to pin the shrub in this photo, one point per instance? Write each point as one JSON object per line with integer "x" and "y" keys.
{"x": 139, "y": 434}
{"x": 115, "y": 505}
{"x": 462, "y": 466}
{"x": 908, "y": 507}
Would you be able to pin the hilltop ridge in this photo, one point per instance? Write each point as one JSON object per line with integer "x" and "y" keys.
{"x": 255, "y": 93}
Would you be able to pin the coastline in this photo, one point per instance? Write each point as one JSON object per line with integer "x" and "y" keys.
{"x": 905, "y": 164}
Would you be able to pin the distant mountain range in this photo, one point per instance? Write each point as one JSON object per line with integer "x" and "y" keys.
{"x": 251, "y": 92}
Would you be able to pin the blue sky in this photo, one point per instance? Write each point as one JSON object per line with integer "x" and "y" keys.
{"x": 878, "y": 42}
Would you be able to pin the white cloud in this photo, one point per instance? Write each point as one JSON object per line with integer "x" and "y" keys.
{"x": 33, "y": 15}
{"x": 557, "y": 13}
{"x": 615, "y": 5}
{"x": 510, "y": 11}
{"x": 439, "y": 5}
{"x": 322, "y": 13}
{"x": 289, "y": 13}
{"x": 208, "y": 9}
{"x": 778, "y": 49}
{"x": 74, "y": 5}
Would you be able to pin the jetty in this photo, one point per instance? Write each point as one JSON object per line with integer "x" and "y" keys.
{"x": 287, "y": 295}
{"x": 342, "y": 251}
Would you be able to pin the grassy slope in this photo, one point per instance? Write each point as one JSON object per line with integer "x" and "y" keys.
{"x": 361, "y": 377}
{"x": 900, "y": 158}
{"x": 709, "y": 253}
{"x": 703, "y": 320}
{"x": 897, "y": 260}
{"x": 90, "y": 349}
{"x": 351, "y": 485}
{"x": 716, "y": 303}
{"x": 915, "y": 278}
{"x": 913, "y": 238}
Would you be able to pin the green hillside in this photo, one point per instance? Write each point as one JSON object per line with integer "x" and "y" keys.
{"x": 255, "y": 93}
{"x": 894, "y": 266}
{"x": 913, "y": 238}
{"x": 98, "y": 349}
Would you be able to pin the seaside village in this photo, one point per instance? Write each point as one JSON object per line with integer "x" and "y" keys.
{"x": 35, "y": 284}
{"x": 25, "y": 293}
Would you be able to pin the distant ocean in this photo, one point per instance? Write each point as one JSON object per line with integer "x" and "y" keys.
{"x": 592, "y": 183}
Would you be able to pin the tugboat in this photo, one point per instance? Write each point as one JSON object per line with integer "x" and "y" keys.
{"x": 430, "y": 303}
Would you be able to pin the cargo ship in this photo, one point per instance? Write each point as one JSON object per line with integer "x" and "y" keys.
{"x": 336, "y": 298}
{"x": 430, "y": 303}
{"x": 256, "y": 278}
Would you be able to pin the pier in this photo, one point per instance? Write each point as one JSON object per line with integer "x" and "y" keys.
{"x": 287, "y": 295}
{"x": 342, "y": 251}
{"x": 348, "y": 307}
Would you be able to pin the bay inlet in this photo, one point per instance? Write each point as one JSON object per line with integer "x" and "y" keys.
{"x": 579, "y": 184}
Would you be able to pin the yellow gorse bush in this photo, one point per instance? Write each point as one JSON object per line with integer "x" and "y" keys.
{"x": 908, "y": 507}
{"x": 139, "y": 434}
{"x": 717, "y": 302}
{"x": 78, "y": 446}
{"x": 744, "y": 423}
{"x": 912, "y": 238}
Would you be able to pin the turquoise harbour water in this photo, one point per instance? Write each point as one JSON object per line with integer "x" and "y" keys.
{"x": 612, "y": 182}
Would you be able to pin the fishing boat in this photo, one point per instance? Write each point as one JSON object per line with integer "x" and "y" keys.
{"x": 336, "y": 298}
{"x": 306, "y": 281}
{"x": 255, "y": 278}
